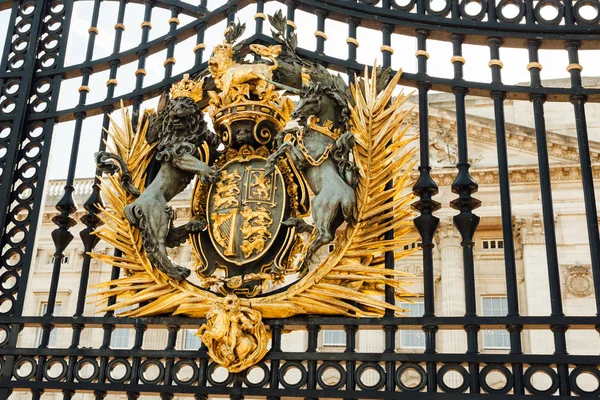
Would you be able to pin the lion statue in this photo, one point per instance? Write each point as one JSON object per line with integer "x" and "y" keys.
{"x": 227, "y": 73}
{"x": 179, "y": 130}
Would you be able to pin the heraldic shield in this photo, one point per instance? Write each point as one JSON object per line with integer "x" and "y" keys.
{"x": 245, "y": 211}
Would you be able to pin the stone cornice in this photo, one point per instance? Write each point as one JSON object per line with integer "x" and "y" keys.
{"x": 517, "y": 136}
{"x": 518, "y": 174}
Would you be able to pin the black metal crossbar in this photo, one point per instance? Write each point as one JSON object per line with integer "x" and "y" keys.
{"x": 34, "y": 72}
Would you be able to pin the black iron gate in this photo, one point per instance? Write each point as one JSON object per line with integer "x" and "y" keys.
{"x": 32, "y": 72}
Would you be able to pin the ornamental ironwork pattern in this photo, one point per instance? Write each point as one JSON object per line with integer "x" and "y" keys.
{"x": 32, "y": 69}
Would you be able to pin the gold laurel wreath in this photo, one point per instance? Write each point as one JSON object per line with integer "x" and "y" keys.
{"x": 348, "y": 282}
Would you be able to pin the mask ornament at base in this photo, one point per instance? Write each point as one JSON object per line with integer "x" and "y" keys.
{"x": 276, "y": 185}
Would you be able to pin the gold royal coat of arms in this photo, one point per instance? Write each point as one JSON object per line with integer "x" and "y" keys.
{"x": 291, "y": 199}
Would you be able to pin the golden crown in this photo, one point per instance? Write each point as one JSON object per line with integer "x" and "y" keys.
{"x": 188, "y": 88}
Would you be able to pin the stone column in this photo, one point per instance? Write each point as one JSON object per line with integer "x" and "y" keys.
{"x": 453, "y": 284}
{"x": 535, "y": 266}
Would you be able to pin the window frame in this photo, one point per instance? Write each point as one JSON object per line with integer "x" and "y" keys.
{"x": 338, "y": 345}
{"x": 53, "y": 339}
{"x": 497, "y": 242}
{"x": 483, "y": 314}
{"x": 184, "y": 338}
{"x": 406, "y": 304}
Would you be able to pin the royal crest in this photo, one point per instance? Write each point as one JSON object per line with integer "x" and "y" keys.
{"x": 274, "y": 185}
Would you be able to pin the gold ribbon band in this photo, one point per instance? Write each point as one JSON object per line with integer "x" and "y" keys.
{"x": 458, "y": 59}
{"x": 353, "y": 41}
{"x": 199, "y": 46}
{"x": 83, "y": 89}
{"x": 120, "y": 26}
{"x": 321, "y": 34}
{"x": 93, "y": 29}
{"x": 168, "y": 61}
{"x": 496, "y": 62}
{"x": 574, "y": 66}
{"x": 292, "y": 24}
{"x": 387, "y": 48}
{"x": 176, "y": 20}
{"x": 534, "y": 65}
{"x": 140, "y": 71}
{"x": 422, "y": 53}
{"x": 146, "y": 24}
{"x": 112, "y": 82}
{"x": 260, "y": 15}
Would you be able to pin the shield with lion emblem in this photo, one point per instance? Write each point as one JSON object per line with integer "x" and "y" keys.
{"x": 245, "y": 209}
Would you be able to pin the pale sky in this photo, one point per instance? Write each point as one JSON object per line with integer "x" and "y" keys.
{"x": 476, "y": 68}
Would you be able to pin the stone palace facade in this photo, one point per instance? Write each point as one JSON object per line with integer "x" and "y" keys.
{"x": 534, "y": 297}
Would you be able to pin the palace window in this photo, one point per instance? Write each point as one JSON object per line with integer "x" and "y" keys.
{"x": 334, "y": 338}
{"x": 492, "y": 244}
{"x": 120, "y": 336}
{"x": 413, "y": 338}
{"x": 190, "y": 340}
{"x": 413, "y": 245}
{"x": 495, "y": 306}
{"x": 54, "y": 332}
{"x": 65, "y": 259}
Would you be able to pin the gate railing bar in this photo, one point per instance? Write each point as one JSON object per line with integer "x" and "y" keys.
{"x": 351, "y": 331}
{"x": 91, "y": 220}
{"x": 201, "y": 30}
{"x": 426, "y": 223}
{"x": 389, "y": 258}
{"x": 510, "y": 267}
{"x": 259, "y": 18}
{"x": 276, "y": 331}
{"x": 587, "y": 177}
{"x": 336, "y": 64}
{"x": 442, "y": 26}
{"x": 290, "y": 16}
{"x": 231, "y": 13}
{"x": 140, "y": 73}
{"x": 367, "y": 20}
{"x": 352, "y": 42}
{"x": 151, "y": 47}
{"x": 548, "y": 215}
{"x": 466, "y": 222}
{"x": 140, "y": 329}
{"x": 454, "y": 358}
{"x": 297, "y": 393}
{"x": 168, "y": 380}
{"x": 27, "y": 93}
{"x": 62, "y": 236}
{"x": 18, "y": 118}
{"x": 320, "y": 32}
{"x": 171, "y": 40}
{"x": 21, "y": 127}
{"x": 529, "y": 322}
{"x": 142, "y": 54}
